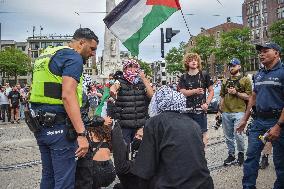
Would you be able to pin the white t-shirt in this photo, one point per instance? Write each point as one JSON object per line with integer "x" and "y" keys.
{"x": 4, "y": 99}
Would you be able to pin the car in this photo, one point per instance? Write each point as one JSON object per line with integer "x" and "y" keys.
{"x": 214, "y": 105}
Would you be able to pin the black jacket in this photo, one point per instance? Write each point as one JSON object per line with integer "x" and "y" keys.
{"x": 131, "y": 106}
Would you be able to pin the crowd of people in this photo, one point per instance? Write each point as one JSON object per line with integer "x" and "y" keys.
{"x": 157, "y": 135}
{"x": 13, "y": 101}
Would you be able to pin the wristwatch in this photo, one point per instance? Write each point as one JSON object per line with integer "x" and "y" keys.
{"x": 84, "y": 133}
{"x": 281, "y": 124}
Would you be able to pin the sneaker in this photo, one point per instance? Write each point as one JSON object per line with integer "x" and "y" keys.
{"x": 18, "y": 121}
{"x": 12, "y": 121}
{"x": 240, "y": 158}
{"x": 264, "y": 162}
{"x": 231, "y": 159}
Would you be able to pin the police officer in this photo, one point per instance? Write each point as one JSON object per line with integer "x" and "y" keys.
{"x": 57, "y": 94}
{"x": 268, "y": 99}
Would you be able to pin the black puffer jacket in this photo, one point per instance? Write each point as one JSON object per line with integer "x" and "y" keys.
{"x": 131, "y": 106}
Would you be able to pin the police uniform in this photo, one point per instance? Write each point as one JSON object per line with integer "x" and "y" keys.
{"x": 269, "y": 89}
{"x": 57, "y": 153}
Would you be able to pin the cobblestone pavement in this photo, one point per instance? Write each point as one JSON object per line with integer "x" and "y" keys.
{"x": 20, "y": 166}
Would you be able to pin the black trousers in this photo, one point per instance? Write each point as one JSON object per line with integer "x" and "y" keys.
{"x": 5, "y": 108}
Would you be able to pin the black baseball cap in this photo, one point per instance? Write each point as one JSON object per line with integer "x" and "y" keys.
{"x": 269, "y": 45}
{"x": 85, "y": 33}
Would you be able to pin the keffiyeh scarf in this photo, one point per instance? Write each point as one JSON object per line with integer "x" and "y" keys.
{"x": 166, "y": 99}
{"x": 129, "y": 75}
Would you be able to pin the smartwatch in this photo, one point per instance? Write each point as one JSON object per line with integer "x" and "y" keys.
{"x": 84, "y": 133}
{"x": 281, "y": 124}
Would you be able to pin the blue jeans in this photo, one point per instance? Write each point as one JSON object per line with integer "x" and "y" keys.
{"x": 229, "y": 123}
{"x": 255, "y": 146}
{"x": 22, "y": 110}
{"x": 58, "y": 158}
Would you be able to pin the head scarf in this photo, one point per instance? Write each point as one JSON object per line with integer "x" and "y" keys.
{"x": 129, "y": 75}
{"x": 87, "y": 82}
{"x": 166, "y": 99}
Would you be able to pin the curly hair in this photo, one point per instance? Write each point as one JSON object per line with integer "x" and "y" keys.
{"x": 189, "y": 57}
{"x": 101, "y": 133}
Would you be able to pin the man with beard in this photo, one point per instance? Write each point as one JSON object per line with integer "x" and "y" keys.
{"x": 56, "y": 96}
{"x": 268, "y": 99}
{"x": 235, "y": 92}
{"x": 132, "y": 92}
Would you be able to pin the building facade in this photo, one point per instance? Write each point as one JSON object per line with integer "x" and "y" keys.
{"x": 259, "y": 15}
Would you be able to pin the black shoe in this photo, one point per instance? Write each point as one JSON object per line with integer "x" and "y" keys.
{"x": 241, "y": 158}
{"x": 12, "y": 121}
{"x": 231, "y": 159}
{"x": 264, "y": 162}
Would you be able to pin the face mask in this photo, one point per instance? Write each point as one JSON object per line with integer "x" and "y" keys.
{"x": 136, "y": 144}
{"x": 111, "y": 81}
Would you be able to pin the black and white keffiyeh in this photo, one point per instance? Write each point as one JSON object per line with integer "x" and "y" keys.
{"x": 166, "y": 99}
{"x": 87, "y": 81}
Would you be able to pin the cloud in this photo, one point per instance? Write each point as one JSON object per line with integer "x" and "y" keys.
{"x": 58, "y": 16}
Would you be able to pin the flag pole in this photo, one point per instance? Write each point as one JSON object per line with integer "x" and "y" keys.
{"x": 185, "y": 22}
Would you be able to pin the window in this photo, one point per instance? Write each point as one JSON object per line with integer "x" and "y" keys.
{"x": 256, "y": 6}
{"x": 257, "y": 20}
{"x": 251, "y": 9}
{"x": 265, "y": 18}
{"x": 163, "y": 65}
{"x": 280, "y": 13}
{"x": 163, "y": 73}
{"x": 45, "y": 44}
{"x": 264, "y": 4}
{"x": 34, "y": 46}
{"x": 257, "y": 34}
{"x": 56, "y": 44}
{"x": 34, "y": 54}
{"x": 280, "y": 1}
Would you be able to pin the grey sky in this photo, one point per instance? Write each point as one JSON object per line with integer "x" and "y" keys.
{"x": 58, "y": 16}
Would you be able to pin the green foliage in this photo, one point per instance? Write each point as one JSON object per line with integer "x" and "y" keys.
{"x": 14, "y": 62}
{"x": 277, "y": 33}
{"x": 174, "y": 59}
{"x": 235, "y": 43}
{"x": 205, "y": 46}
{"x": 146, "y": 68}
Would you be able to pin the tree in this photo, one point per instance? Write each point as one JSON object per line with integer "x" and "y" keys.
{"x": 277, "y": 33}
{"x": 205, "y": 46}
{"x": 145, "y": 67}
{"x": 14, "y": 62}
{"x": 235, "y": 43}
{"x": 174, "y": 59}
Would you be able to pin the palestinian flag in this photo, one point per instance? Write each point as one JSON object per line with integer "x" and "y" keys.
{"x": 132, "y": 21}
{"x": 101, "y": 109}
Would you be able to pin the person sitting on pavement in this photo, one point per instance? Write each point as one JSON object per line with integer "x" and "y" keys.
{"x": 171, "y": 152}
{"x": 96, "y": 169}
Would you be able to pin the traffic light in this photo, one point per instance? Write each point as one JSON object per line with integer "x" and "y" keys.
{"x": 170, "y": 33}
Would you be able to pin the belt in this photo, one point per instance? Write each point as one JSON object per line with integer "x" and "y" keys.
{"x": 267, "y": 115}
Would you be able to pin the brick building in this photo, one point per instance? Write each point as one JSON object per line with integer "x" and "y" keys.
{"x": 271, "y": 11}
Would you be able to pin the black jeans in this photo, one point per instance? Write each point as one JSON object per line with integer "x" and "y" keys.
{"x": 91, "y": 174}
{"x": 6, "y": 108}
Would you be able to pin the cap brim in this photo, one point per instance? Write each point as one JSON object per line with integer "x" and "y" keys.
{"x": 259, "y": 47}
